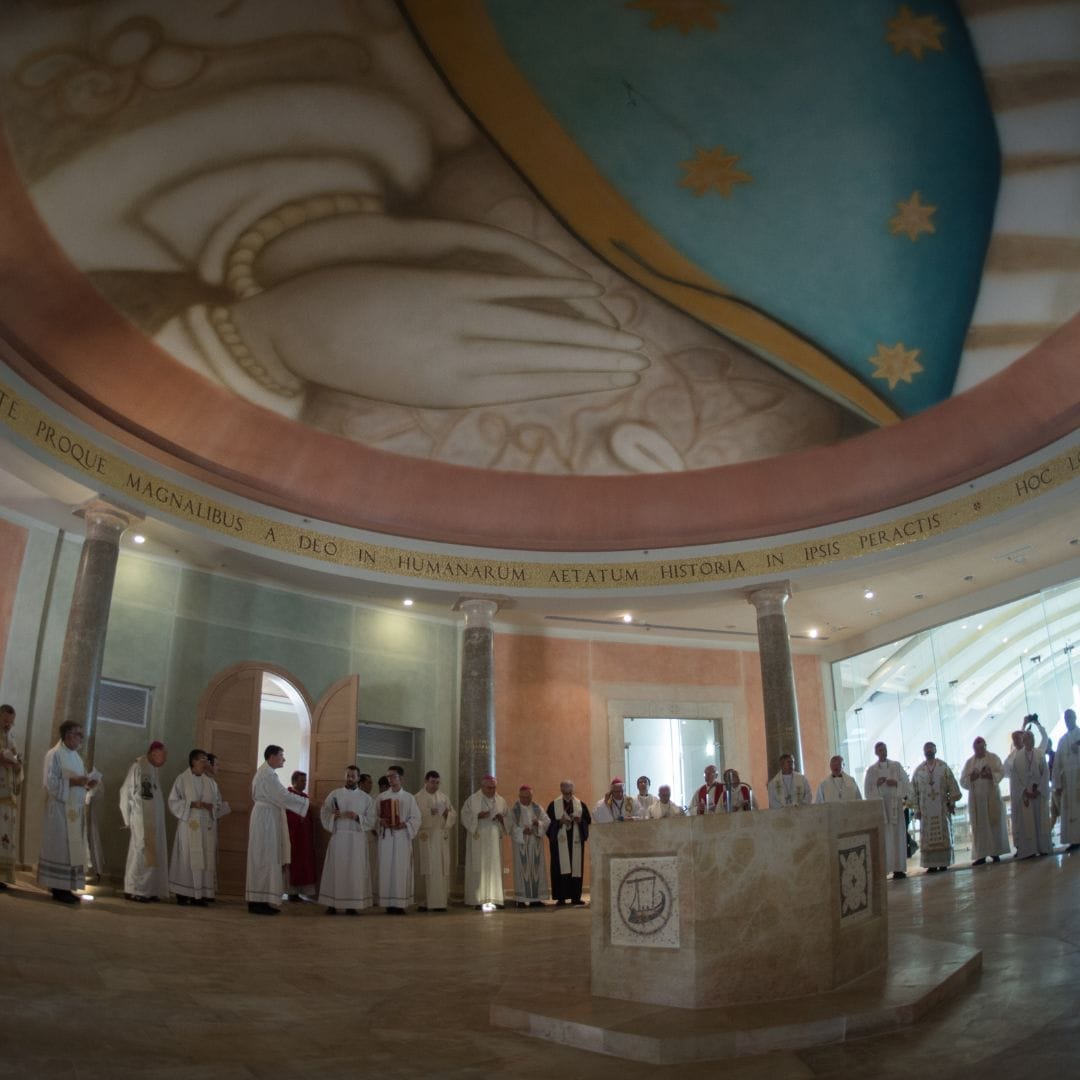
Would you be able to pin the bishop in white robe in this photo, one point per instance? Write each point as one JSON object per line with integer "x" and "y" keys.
{"x": 348, "y": 814}
{"x": 788, "y": 787}
{"x": 1067, "y": 781}
{"x": 616, "y": 805}
{"x": 888, "y": 781}
{"x": 528, "y": 824}
{"x": 980, "y": 777}
{"x": 1029, "y": 777}
{"x": 61, "y": 865}
{"x": 195, "y": 802}
{"x": 268, "y": 835}
{"x": 399, "y": 822}
{"x": 483, "y": 817}
{"x": 142, "y": 806}
{"x": 838, "y": 786}
{"x": 432, "y": 847}
{"x": 935, "y": 793}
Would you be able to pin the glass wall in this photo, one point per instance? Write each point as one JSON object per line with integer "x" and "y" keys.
{"x": 977, "y": 676}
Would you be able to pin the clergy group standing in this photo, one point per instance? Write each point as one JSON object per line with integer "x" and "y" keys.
{"x": 1029, "y": 779}
{"x": 888, "y": 781}
{"x": 528, "y": 825}
{"x": 348, "y": 815}
{"x": 483, "y": 817}
{"x": 195, "y": 802}
{"x": 980, "y": 778}
{"x": 936, "y": 793}
{"x": 1067, "y": 781}
{"x": 11, "y": 775}
{"x": 432, "y": 847}
{"x": 398, "y": 819}
{"x": 61, "y": 864}
{"x": 142, "y": 806}
{"x": 268, "y": 835}
{"x": 788, "y": 787}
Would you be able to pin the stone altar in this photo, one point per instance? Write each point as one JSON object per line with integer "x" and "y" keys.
{"x": 727, "y": 909}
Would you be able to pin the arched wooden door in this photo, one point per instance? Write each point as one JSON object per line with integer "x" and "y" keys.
{"x": 228, "y": 726}
{"x": 333, "y": 743}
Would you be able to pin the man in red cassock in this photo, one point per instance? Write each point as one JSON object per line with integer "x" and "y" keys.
{"x": 303, "y": 873}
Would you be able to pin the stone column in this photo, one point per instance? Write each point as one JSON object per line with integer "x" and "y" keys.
{"x": 476, "y": 727}
{"x": 84, "y": 641}
{"x": 777, "y": 676}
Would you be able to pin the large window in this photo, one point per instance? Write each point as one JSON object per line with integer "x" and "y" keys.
{"x": 975, "y": 676}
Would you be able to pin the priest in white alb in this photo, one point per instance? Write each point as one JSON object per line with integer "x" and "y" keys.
{"x": 142, "y": 806}
{"x": 1067, "y": 781}
{"x": 398, "y": 819}
{"x": 527, "y": 824}
{"x": 61, "y": 865}
{"x": 348, "y": 814}
{"x": 483, "y": 817}
{"x": 838, "y": 786}
{"x": 432, "y": 847}
{"x": 616, "y": 805}
{"x": 788, "y": 787}
{"x": 643, "y": 800}
{"x": 195, "y": 802}
{"x": 268, "y": 834}
{"x": 664, "y": 807}
{"x": 11, "y": 776}
{"x": 980, "y": 777}
{"x": 888, "y": 781}
{"x": 1030, "y": 779}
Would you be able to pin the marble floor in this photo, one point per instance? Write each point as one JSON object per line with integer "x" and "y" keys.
{"x": 112, "y": 989}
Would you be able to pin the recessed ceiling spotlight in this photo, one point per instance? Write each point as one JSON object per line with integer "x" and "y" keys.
{"x": 979, "y": 627}
{"x": 138, "y": 538}
{"x": 407, "y": 602}
{"x": 812, "y": 632}
{"x": 628, "y": 618}
{"x": 868, "y": 594}
{"x": 1004, "y": 641}
{"x": 919, "y": 596}
{"x": 963, "y": 626}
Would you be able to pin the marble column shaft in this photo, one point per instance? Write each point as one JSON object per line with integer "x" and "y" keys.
{"x": 88, "y": 619}
{"x": 777, "y": 676}
{"x": 476, "y": 731}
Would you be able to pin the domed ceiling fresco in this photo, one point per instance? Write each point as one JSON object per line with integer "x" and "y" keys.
{"x": 568, "y": 239}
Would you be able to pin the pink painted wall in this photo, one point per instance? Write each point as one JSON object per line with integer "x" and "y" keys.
{"x": 12, "y": 548}
{"x": 543, "y": 704}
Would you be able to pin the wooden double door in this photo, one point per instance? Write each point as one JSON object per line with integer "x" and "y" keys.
{"x": 228, "y": 726}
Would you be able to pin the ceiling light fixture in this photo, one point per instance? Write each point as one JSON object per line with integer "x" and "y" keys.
{"x": 868, "y": 594}
{"x": 628, "y": 618}
{"x": 812, "y": 632}
{"x": 408, "y": 601}
{"x": 138, "y": 538}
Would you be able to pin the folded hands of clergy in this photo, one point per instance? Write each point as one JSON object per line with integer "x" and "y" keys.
{"x": 886, "y": 782}
{"x": 349, "y": 815}
{"x": 199, "y": 805}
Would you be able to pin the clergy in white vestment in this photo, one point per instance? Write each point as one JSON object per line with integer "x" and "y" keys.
{"x": 980, "y": 777}
{"x": 432, "y": 847}
{"x": 1016, "y": 793}
{"x": 367, "y": 785}
{"x": 664, "y": 807}
{"x": 838, "y": 786}
{"x": 195, "y": 802}
{"x": 268, "y": 834}
{"x": 1029, "y": 775}
{"x": 61, "y": 866}
{"x": 935, "y": 793}
{"x": 888, "y": 781}
{"x": 567, "y": 836}
{"x": 142, "y": 806}
{"x": 616, "y": 805}
{"x": 483, "y": 817}
{"x": 788, "y": 787}
{"x": 11, "y": 775}
{"x": 348, "y": 814}
{"x": 709, "y": 796}
{"x": 527, "y": 824}
{"x": 1067, "y": 781}
{"x": 398, "y": 822}
{"x": 643, "y": 800}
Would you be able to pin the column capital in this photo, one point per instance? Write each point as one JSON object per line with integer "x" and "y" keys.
{"x": 478, "y": 610}
{"x": 105, "y": 520}
{"x": 770, "y": 599}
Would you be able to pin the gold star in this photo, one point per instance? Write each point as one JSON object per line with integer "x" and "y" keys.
{"x": 913, "y": 219}
{"x": 896, "y": 364}
{"x": 713, "y": 169}
{"x": 685, "y": 14}
{"x": 914, "y": 33}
